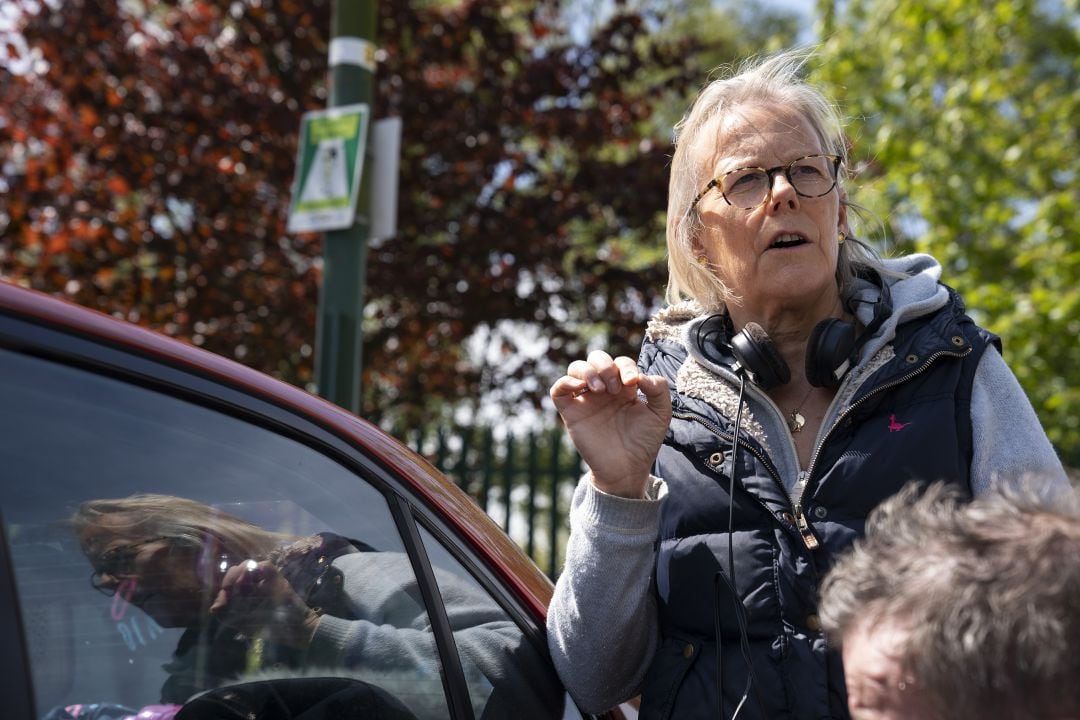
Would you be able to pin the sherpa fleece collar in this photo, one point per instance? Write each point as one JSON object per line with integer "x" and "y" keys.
{"x": 697, "y": 377}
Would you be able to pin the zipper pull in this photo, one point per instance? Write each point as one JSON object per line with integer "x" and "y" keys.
{"x": 804, "y": 528}
{"x": 800, "y": 484}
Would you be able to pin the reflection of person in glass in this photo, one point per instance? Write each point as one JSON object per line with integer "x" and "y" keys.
{"x": 257, "y": 602}
{"x": 171, "y": 558}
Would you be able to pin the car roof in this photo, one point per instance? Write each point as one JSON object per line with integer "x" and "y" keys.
{"x": 454, "y": 506}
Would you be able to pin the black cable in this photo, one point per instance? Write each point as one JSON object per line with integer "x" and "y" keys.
{"x": 740, "y": 609}
{"x": 719, "y": 656}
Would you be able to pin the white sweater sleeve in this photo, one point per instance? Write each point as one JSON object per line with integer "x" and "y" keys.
{"x": 1010, "y": 446}
{"x": 603, "y": 626}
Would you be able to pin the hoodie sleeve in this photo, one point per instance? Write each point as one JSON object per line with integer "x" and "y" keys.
{"x": 1010, "y": 445}
{"x": 603, "y": 626}
{"x": 388, "y": 641}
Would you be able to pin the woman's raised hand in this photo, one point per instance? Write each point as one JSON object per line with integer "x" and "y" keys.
{"x": 617, "y": 435}
{"x": 256, "y": 596}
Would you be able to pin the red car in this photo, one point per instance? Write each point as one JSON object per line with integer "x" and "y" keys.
{"x": 184, "y": 537}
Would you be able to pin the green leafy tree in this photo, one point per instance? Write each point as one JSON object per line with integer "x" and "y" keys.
{"x": 964, "y": 123}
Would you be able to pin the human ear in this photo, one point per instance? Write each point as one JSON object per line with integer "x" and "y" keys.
{"x": 697, "y": 248}
{"x": 842, "y": 217}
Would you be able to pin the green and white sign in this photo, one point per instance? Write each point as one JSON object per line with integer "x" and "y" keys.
{"x": 329, "y": 164}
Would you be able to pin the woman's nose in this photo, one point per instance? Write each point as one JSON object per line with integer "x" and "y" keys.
{"x": 108, "y": 581}
{"x": 782, "y": 192}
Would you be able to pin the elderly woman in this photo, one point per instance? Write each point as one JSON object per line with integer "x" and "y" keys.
{"x": 795, "y": 381}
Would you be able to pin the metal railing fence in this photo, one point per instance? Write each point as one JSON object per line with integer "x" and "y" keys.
{"x": 524, "y": 482}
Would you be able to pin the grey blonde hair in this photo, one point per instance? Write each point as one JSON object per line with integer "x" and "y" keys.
{"x": 773, "y": 80}
{"x": 182, "y": 521}
{"x": 986, "y": 592}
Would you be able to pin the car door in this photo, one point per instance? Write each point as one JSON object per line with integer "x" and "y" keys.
{"x": 177, "y": 539}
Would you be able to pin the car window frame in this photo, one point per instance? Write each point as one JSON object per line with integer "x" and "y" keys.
{"x": 128, "y": 365}
{"x": 453, "y": 673}
{"x": 535, "y": 632}
{"x": 16, "y": 679}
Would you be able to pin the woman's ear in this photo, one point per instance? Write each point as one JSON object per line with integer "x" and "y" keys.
{"x": 698, "y": 249}
{"x": 697, "y": 245}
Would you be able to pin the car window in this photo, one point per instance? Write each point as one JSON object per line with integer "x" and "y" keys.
{"x": 508, "y": 676}
{"x": 163, "y": 549}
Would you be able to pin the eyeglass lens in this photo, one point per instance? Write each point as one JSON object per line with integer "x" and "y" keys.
{"x": 810, "y": 176}
{"x": 117, "y": 562}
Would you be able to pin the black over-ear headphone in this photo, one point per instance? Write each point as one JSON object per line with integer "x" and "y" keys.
{"x": 830, "y": 349}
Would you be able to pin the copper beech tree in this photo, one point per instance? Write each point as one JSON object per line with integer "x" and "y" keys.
{"x": 148, "y": 150}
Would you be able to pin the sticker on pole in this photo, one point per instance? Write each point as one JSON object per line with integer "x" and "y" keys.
{"x": 329, "y": 164}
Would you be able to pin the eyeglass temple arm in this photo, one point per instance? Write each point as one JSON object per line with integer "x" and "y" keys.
{"x": 712, "y": 183}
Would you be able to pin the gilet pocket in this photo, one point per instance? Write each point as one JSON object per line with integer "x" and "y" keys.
{"x": 672, "y": 661}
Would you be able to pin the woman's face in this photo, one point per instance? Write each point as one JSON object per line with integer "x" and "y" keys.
{"x": 156, "y": 575}
{"x": 782, "y": 253}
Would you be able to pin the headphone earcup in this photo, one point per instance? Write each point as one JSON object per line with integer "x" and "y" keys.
{"x": 756, "y": 352}
{"x": 830, "y": 345}
{"x": 710, "y": 336}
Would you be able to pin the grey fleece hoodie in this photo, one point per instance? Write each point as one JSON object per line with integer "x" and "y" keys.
{"x": 603, "y": 626}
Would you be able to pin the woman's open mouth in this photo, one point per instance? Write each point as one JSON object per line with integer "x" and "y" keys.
{"x": 787, "y": 240}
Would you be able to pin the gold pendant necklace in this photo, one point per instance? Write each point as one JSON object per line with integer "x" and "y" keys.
{"x": 796, "y": 421}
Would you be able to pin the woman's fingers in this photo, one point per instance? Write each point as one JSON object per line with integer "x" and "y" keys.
{"x": 567, "y": 388}
{"x": 606, "y": 371}
{"x": 581, "y": 377}
{"x": 628, "y": 371}
{"x": 246, "y": 579}
{"x": 657, "y": 395}
{"x": 584, "y": 370}
{"x": 600, "y": 374}
{"x": 590, "y": 373}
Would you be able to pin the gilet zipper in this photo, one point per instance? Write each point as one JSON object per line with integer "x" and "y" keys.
{"x": 711, "y": 427}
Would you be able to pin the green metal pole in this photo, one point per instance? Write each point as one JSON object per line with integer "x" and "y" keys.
{"x": 339, "y": 336}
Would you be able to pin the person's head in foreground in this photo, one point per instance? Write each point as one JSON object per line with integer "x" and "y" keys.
{"x": 951, "y": 610}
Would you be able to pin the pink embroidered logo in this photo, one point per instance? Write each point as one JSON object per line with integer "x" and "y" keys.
{"x": 896, "y": 426}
